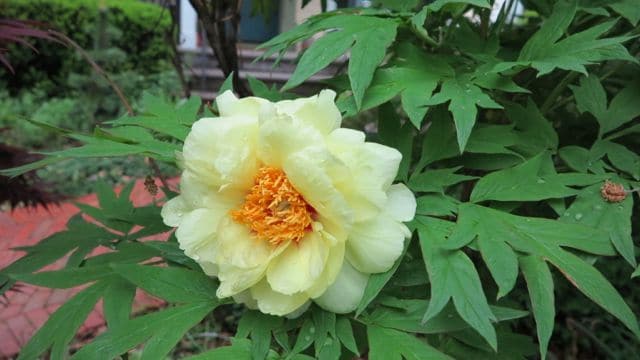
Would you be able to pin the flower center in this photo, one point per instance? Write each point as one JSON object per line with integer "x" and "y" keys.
{"x": 273, "y": 209}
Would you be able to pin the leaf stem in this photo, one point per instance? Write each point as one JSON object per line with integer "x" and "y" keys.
{"x": 568, "y": 79}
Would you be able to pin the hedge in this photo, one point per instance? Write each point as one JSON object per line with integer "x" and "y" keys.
{"x": 142, "y": 28}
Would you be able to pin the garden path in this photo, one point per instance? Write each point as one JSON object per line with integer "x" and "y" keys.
{"x": 24, "y": 312}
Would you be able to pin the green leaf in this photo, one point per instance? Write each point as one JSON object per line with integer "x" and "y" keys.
{"x": 576, "y": 157}
{"x": 377, "y": 281}
{"x": 592, "y": 98}
{"x": 170, "y": 283}
{"x": 546, "y": 238}
{"x": 344, "y": 331}
{"x": 540, "y": 284}
{"x": 65, "y": 278}
{"x": 524, "y": 182}
{"x": 117, "y": 302}
{"x": 545, "y": 53}
{"x": 259, "y": 326}
{"x": 436, "y": 205}
{"x": 437, "y": 180}
{"x": 62, "y": 325}
{"x": 387, "y": 344}
{"x": 502, "y": 263}
{"x": 406, "y": 315}
{"x": 536, "y": 134}
{"x": 439, "y": 4}
{"x": 367, "y": 37}
{"x": 164, "y": 328}
{"x": 240, "y": 350}
{"x": 628, "y": 9}
{"x": 589, "y": 208}
{"x": 453, "y": 276}
{"x": 463, "y": 96}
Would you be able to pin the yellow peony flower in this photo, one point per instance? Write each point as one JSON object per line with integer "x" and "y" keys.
{"x": 283, "y": 206}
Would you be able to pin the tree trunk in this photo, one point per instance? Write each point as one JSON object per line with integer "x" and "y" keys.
{"x": 214, "y": 16}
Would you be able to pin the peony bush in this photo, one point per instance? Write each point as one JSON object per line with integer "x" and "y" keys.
{"x": 465, "y": 187}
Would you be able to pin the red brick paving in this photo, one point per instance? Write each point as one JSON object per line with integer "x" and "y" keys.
{"x": 27, "y": 310}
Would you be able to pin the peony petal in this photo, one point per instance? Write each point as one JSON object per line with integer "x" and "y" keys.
{"x": 371, "y": 169}
{"x": 197, "y": 229}
{"x": 275, "y": 303}
{"x": 331, "y": 270}
{"x": 229, "y": 105}
{"x": 319, "y": 111}
{"x": 199, "y": 194}
{"x": 297, "y": 267}
{"x": 282, "y": 135}
{"x": 222, "y": 151}
{"x": 236, "y": 246}
{"x": 346, "y": 292}
{"x": 307, "y": 171}
{"x": 234, "y": 280}
{"x": 374, "y": 245}
{"x": 401, "y": 203}
{"x": 173, "y": 211}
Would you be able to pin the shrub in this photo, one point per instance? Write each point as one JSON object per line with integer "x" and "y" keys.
{"x": 140, "y": 34}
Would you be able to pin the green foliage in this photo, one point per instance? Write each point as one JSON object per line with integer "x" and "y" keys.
{"x": 137, "y": 30}
{"x": 508, "y": 132}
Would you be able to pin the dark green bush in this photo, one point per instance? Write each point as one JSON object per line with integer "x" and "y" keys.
{"x": 140, "y": 34}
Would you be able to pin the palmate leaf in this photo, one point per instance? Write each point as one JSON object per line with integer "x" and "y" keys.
{"x": 529, "y": 182}
{"x": 387, "y": 343}
{"x": 367, "y": 38}
{"x": 547, "y": 239}
{"x": 162, "y": 330}
{"x": 62, "y": 325}
{"x": 540, "y": 285}
{"x": 463, "y": 97}
{"x": 592, "y": 98}
{"x": 545, "y": 51}
{"x": 453, "y": 276}
{"x": 589, "y": 208}
{"x": 406, "y": 315}
{"x": 413, "y": 75}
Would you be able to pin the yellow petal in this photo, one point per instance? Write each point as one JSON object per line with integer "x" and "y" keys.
{"x": 282, "y": 135}
{"x": 197, "y": 193}
{"x": 371, "y": 169}
{"x": 306, "y": 170}
{"x": 230, "y": 105}
{"x": 331, "y": 270}
{"x": 173, "y": 211}
{"x": 345, "y": 293}
{"x": 197, "y": 229}
{"x": 374, "y": 245}
{"x": 222, "y": 151}
{"x": 401, "y": 203}
{"x": 234, "y": 280}
{"x": 236, "y": 246}
{"x": 319, "y": 111}
{"x": 275, "y": 303}
{"x": 297, "y": 267}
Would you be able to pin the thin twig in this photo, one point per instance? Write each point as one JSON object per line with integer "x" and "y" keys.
{"x": 96, "y": 67}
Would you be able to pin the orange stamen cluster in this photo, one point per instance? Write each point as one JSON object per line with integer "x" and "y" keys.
{"x": 274, "y": 210}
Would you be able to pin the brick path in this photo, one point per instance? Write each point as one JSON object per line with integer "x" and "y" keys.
{"x": 27, "y": 310}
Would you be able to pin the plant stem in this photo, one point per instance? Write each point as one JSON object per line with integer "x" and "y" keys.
{"x": 568, "y": 79}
